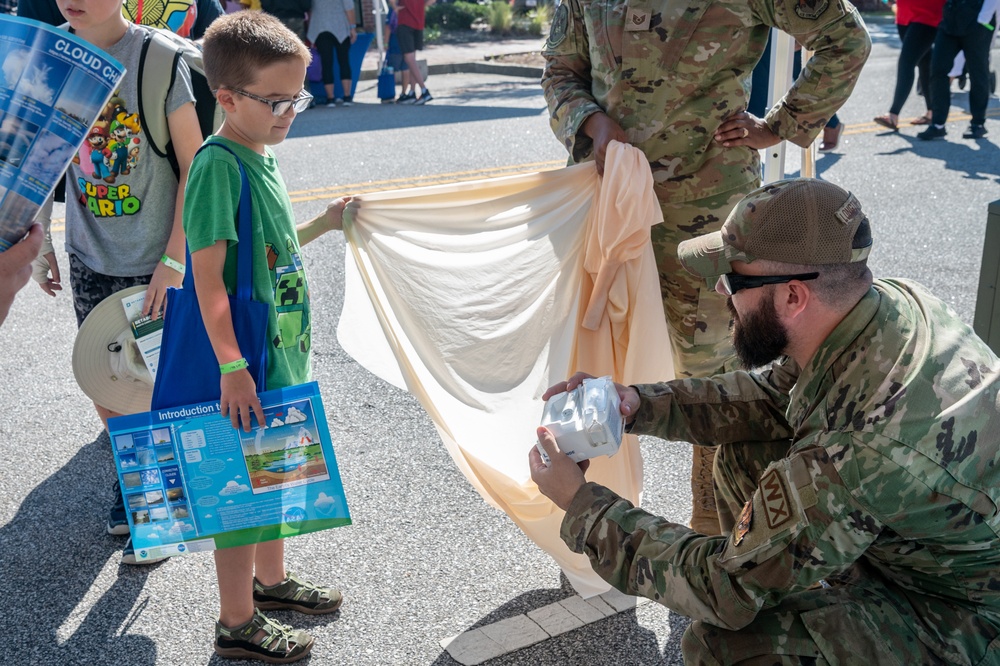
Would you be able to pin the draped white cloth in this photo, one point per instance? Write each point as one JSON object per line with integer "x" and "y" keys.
{"x": 476, "y": 297}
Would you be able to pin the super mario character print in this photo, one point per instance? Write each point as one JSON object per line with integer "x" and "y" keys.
{"x": 111, "y": 152}
{"x": 178, "y": 16}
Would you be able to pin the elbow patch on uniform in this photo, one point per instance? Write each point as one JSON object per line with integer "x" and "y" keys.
{"x": 776, "y": 510}
{"x": 809, "y": 15}
{"x": 559, "y": 27}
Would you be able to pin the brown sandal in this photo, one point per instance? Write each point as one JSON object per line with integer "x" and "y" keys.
{"x": 921, "y": 120}
{"x": 831, "y": 137}
{"x": 887, "y": 122}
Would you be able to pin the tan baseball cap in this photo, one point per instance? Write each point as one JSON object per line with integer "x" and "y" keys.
{"x": 796, "y": 221}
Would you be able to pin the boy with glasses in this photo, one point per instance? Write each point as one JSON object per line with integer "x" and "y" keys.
{"x": 256, "y": 66}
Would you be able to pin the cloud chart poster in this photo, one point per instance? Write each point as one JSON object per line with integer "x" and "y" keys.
{"x": 193, "y": 483}
{"x": 53, "y": 86}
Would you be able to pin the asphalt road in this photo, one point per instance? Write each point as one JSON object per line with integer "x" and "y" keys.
{"x": 426, "y": 558}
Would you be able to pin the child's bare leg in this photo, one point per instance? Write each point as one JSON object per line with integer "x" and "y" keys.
{"x": 105, "y": 414}
{"x": 269, "y": 563}
{"x": 234, "y": 569}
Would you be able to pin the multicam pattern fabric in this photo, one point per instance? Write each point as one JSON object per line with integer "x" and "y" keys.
{"x": 671, "y": 72}
{"x": 884, "y": 484}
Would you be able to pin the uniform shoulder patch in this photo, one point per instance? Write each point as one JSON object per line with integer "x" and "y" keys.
{"x": 560, "y": 24}
{"x": 743, "y": 525}
{"x": 774, "y": 497}
{"x": 811, "y": 9}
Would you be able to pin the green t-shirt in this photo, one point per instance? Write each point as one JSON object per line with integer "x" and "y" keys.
{"x": 210, "y": 203}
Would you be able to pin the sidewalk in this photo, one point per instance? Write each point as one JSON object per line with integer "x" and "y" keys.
{"x": 470, "y": 56}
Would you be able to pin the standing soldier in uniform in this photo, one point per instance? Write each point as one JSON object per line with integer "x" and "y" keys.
{"x": 869, "y": 534}
{"x": 672, "y": 78}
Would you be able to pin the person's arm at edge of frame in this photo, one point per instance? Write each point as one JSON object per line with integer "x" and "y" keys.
{"x": 840, "y": 49}
{"x": 15, "y": 267}
{"x": 185, "y": 135}
{"x": 576, "y": 118}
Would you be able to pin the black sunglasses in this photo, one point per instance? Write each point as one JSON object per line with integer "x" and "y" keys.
{"x": 733, "y": 282}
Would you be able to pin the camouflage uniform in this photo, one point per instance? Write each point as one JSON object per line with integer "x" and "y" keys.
{"x": 669, "y": 74}
{"x": 886, "y": 493}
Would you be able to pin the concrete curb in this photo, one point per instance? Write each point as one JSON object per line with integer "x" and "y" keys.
{"x": 525, "y": 71}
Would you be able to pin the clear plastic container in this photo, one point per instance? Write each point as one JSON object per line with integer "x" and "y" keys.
{"x": 587, "y": 421}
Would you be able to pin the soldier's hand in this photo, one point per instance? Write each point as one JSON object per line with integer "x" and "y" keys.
{"x": 561, "y": 478}
{"x": 745, "y": 129}
{"x": 602, "y": 130}
{"x": 629, "y": 398}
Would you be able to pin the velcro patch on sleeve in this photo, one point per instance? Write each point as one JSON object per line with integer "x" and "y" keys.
{"x": 771, "y": 517}
{"x": 776, "y": 499}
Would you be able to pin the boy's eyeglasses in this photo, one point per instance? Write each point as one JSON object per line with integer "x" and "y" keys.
{"x": 733, "y": 282}
{"x": 280, "y": 107}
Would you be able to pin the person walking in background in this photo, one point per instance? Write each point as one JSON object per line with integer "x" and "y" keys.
{"x": 916, "y": 22}
{"x": 394, "y": 55}
{"x": 290, "y": 12}
{"x": 966, "y": 25}
{"x": 674, "y": 84}
{"x": 411, "y": 39}
{"x": 332, "y": 28}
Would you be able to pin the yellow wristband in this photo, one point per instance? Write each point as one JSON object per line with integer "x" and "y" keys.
{"x": 238, "y": 364}
{"x": 172, "y": 263}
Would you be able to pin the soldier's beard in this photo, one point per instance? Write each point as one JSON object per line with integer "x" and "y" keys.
{"x": 758, "y": 336}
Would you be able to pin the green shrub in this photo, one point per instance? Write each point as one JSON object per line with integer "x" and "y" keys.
{"x": 500, "y": 17}
{"x": 539, "y": 19}
{"x": 454, "y": 15}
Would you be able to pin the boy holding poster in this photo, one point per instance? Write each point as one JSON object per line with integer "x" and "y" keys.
{"x": 256, "y": 67}
{"x": 123, "y": 220}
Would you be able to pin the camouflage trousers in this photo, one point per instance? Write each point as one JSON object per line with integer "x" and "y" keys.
{"x": 90, "y": 287}
{"x": 697, "y": 317}
{"x": 858, "y": 619}
{"x": 697, "y": 321}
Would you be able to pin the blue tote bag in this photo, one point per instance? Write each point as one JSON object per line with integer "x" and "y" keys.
{"x": 188, "y": 370}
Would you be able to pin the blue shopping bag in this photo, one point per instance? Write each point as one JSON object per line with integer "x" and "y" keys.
{"x": 387, "y": 84}
{"x": 188, "y": 370}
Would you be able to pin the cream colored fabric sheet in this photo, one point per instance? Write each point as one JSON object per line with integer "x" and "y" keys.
{"x": 476, "y": 297}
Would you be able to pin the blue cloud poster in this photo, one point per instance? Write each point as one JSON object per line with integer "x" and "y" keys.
{"x": 194, "y": 483}
{"x": 53, "y": 86}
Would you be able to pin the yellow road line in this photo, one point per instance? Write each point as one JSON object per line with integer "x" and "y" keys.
{"x": 953, "y": 118}
{"x": 334, "y": 191}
